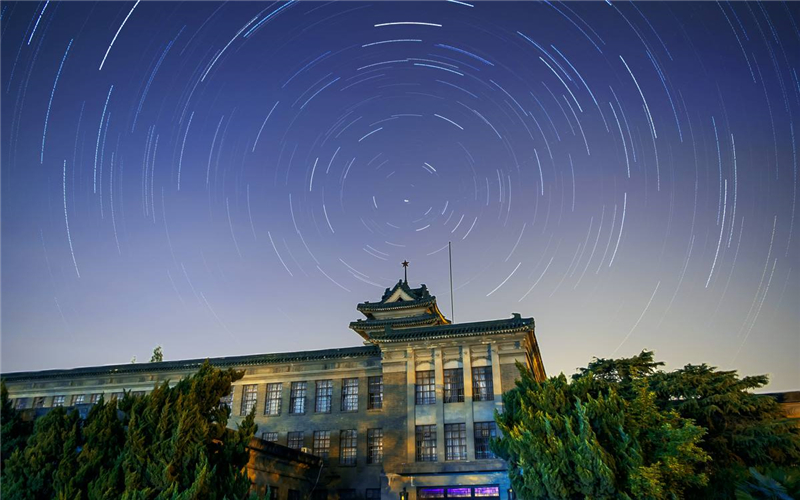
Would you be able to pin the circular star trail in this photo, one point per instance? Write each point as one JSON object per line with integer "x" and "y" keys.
{"x": 233, "y": 178}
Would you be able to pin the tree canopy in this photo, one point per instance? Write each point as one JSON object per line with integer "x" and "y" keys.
{"x": 173, "y": 443}
{"x": 624, "y": 428}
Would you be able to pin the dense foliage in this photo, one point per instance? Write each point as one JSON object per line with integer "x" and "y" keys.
{"x": 623, "y": 428}
{"x": 173, "y": 443}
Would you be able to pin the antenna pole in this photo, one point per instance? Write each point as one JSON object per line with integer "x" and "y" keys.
{"x": 452, "y": 307}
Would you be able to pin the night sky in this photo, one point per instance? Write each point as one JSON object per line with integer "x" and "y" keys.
{"x": 234, "y": 178}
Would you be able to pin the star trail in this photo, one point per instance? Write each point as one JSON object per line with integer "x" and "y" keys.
{"x": 232, "y": 178}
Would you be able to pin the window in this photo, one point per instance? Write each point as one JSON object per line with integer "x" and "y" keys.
{"x": 347, "y": 447}
{"x": 487, "y": 492}
{"x": 78, "y": 399}
{"x": 297, "y": 399}
{"x": 373, "y": 494}
{"x": 38, "y": 402}
{"x": 374, "y": 446}
{"x": 426, "y": 443}
{"x": 227, "y": 400}
{"x": 484, "y": 431}
{"x": 440, "y": 492}
{"x": 295, "y": 440}
{"x": 322, "y": 443}
{"x": 375, "y": 400}
{"x": 272, "y": 437}
{"x": 95, "y": 398}
{"x": 347, "y": 494}
{"x": 350, "y": 394}
{"x": 482, "y": 387}
{"x": 319, "y": 495}
{"x": 324, "y": 396}
{"x": 454, "y": 385}
{"x": 426, "y": 388}
{"x": 20, "y": 403}
{"x": 119, "y": 396}
{"x": 272, "y": 406}
{"x": 293, "y": 495}
{"x": 249, "y": 398}
{"x": 455, "y": 441}
{"x": 273, "y": 493}
{"x": 58, "y": 401}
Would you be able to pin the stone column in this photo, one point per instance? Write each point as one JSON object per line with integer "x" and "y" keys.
{"x": 466, "y": 362}
{"x": 411, "y": 379}
{"x": 438, "y": 374}
{"x": 497, "y": 379}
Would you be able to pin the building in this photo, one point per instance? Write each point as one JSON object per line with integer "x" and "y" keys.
{"x": 409, "y": 414}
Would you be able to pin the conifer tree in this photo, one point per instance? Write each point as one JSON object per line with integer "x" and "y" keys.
{"x": 15, "y": 430}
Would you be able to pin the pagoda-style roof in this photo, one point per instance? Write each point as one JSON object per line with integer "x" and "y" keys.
{"x": 400, "y": 307}
{"x": 193, "y": 364}
{"x": 495, "y": 327}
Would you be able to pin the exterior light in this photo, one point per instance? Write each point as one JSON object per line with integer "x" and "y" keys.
{"x": 511, "y": 494}
{"x": 404, "y": 494}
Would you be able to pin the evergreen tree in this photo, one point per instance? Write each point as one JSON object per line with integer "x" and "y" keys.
{"x": 15, "y": 430}
{"x": 585, "y": 440}
{"x": 158, "y": 355}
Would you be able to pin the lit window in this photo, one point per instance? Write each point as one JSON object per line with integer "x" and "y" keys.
{"x": 322, "y": 443}
{"x": 249, "y": 398}
{"x": 295, "y": 440}
{"x": 484, "y": 432}
{"x": 78, "y": 399}
{"x": 454, "y": 385}
{"x": 425, "y": 388}
{"x": 455, "y": 441}
{"x": 375, "y": 400}
{"x": 58, "y": 401}
{"x": 430, "y": 492}
{"x": 374, "y": 446}
{"x": 426, "y": 443}
{"x": 487, "y": 492}
{"x": 324, "y": 396}
{"x": 272, "y": 437}
{"x": 347, "y": 447}
{"x": 272, "y": 405}
{"x": 297, "y": 399}
{"x": 482, "y": 386}
{"x": 350, "y": 394}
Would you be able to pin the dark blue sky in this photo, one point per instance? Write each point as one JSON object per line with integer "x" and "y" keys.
{"x": 233, "y": 178}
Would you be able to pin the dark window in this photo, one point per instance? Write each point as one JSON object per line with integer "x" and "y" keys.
{"x": 347, "y": 447}
{"x": 58, "y": 401}
{"x": 227, "y": 400}
{"x": 322, "y": 443}
{"x": 272, "y": 405}
{"x": 350, "y": 394}
{"x": 324, "y": 395}
{"x": 454, "y": 385}
{"x": 347, "y": 494}
{"x": 38, "y": 402}
{"x": 118, "y": 395}
{"x": 20, "y": 403}
{"x": 319, "y": 495}
{"x": 426, "y": 443}
{"x": 95, "y": 398}
{"x": 249, "y": 398}
{"x": 273, "y": 493}
{"x": 374, "y": 446}
{"x": 272, "y": 437}
{"x": 375, "y": 401}
{"x": 295, "y": 440}
{"x": 293, "y": 495}
{"x": 455, "y": 441}
{"x": 297, "y": 403}
{"x": 426, "y": 388}
{"x": 78, "y": 399}
{"x": 484, "y": 431}
{"x": 482, "y": 386}
{"x": 373, "y": 493}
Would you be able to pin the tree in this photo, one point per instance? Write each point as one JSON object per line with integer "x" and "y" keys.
{"x": 158, "y": 355}
{"x": 15, "y": 430}
{"x": 584, "y": 439}
{"x": 743, "y": 430}
{"x": 173, "y": 443}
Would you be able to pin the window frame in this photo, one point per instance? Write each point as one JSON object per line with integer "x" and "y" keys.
{"x": 266, "y": 435}
{"x": 348, "y": 447}
{"x": 321, "y": 444}
{"x": 454, "y": 385}
{"x": 59, "y": 401}
{"x": 273, "y": 400}
{"x": 375, "y": 446}
{"x": 249, "y": 399}
{"x": 425, "y": 387}
{"x": 375, "y": 392}
{"x": 325, "y": 397}
{"x": 484, "y": 432}
{"x": 293, "y": 437}
{"x": 482, "y": 383}
{"x": 350, "y": 395}
{"x": 455, "y": 442}
{"x": 425, "y": 443}
{"x": 297, "y": 394}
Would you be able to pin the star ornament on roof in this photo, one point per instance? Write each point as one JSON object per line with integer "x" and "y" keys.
{"x": 405, "y": 270}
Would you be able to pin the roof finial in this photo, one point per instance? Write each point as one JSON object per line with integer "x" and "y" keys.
{"x": 405, "y": 271}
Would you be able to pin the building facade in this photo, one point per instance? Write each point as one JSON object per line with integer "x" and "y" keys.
{"x": 407, "y": 415}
